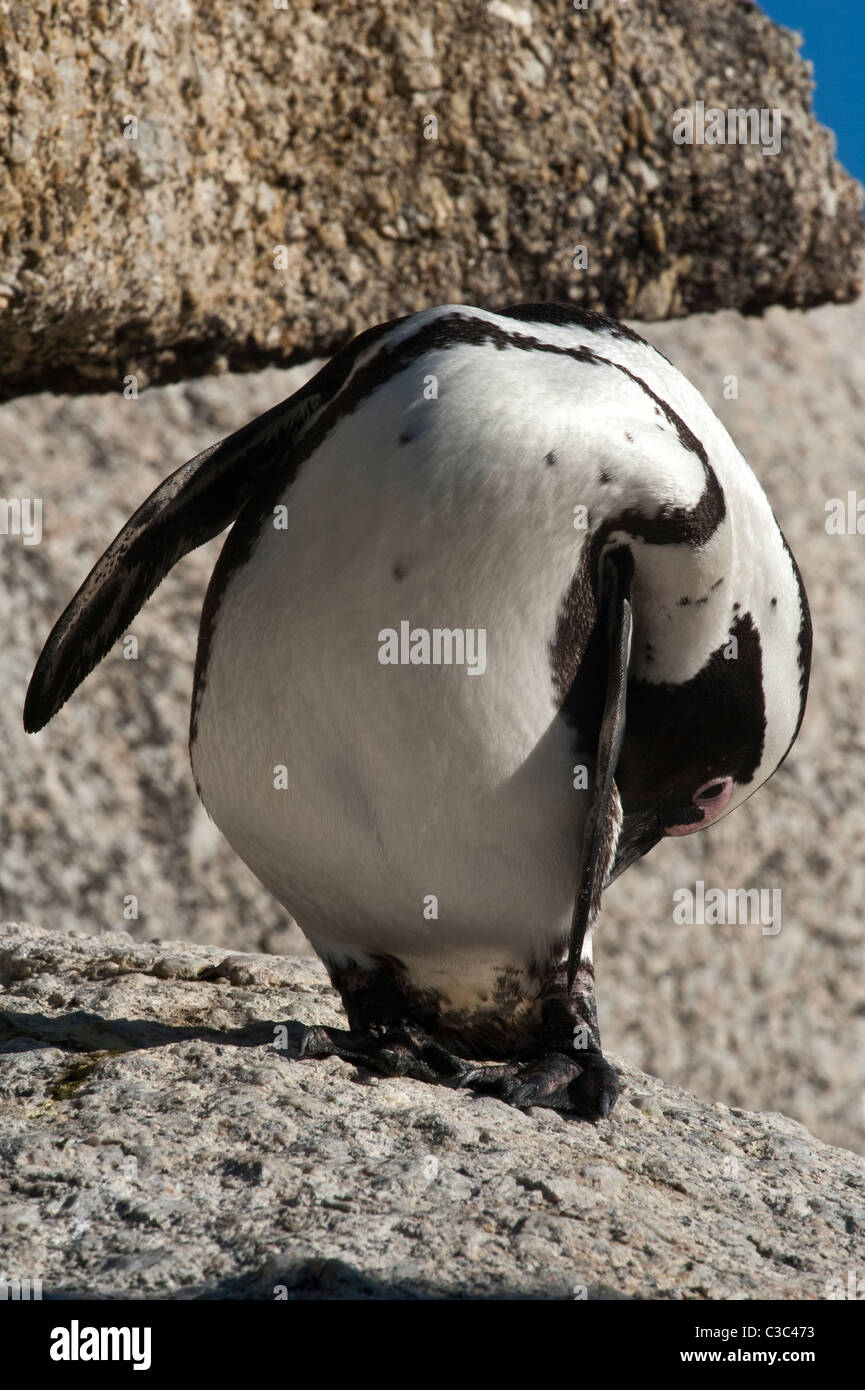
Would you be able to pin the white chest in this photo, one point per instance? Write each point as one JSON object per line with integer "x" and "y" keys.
{"x": 420, "y": 810}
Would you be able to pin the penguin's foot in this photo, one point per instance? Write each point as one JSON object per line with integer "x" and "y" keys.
{"x": 402, "y": 1049}
{"x": 584, "y": 1085}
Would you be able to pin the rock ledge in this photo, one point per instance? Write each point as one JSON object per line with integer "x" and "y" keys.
{"x": 185, "y": 187}
{"x": 156, "y": 1145}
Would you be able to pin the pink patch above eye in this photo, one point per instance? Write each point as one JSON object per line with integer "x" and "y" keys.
{"x": 711, "y": 806}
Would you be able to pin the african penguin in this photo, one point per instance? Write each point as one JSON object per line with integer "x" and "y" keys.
{"x": 501, "y": 606}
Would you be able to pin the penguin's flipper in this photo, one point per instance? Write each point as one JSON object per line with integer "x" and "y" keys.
{"x": 616, "y": 620}
{"x": 192, "y": 506}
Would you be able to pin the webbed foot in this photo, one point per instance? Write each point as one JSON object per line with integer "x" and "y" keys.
{"x": 583, "y": 1084}
{"x": 402, "y": 1049}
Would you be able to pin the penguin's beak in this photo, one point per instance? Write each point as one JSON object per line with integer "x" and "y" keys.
{"x": 641, "y": 831}
{"x": 616, "y": 622}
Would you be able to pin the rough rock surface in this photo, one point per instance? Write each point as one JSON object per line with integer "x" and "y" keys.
{"x": 156, "y": 155}
{"x": 100, "y": 806}
{"x": 156, "y": 1143}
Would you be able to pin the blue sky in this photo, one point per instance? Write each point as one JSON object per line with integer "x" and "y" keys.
{"x": 834, "y": 33}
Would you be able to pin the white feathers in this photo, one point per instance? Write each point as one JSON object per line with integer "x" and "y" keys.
{"x": 447, "y": 494}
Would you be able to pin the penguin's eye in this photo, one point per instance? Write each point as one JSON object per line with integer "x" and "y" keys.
{"x": 715, "y": 794}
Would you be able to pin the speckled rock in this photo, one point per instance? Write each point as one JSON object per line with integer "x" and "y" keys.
{"x": 184, "y": 187}
{"x": 161, "y": 1140}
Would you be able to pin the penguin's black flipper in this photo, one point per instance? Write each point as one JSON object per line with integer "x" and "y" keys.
{"x": 192, "y": 506}
{"x": 616, "y": 619}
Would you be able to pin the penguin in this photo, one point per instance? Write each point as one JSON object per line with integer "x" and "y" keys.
{"x": 501, "y": 606}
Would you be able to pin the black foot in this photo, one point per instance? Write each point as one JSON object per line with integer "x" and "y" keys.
{"x": 400, "y": 1050}
{"x": 584, "y": 1085}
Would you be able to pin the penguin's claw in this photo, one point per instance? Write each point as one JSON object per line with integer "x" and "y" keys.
{"x": 401, "y": 1050}
{"x": 584, "y": 1085}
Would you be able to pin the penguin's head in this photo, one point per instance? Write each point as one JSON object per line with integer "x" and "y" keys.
{"x": 717, "y": 684}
